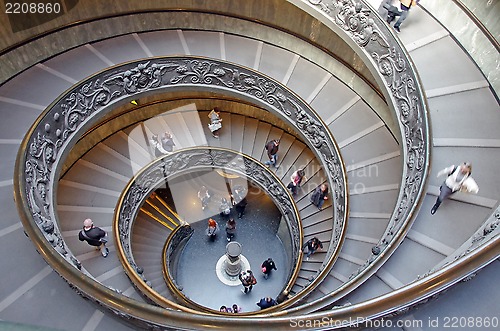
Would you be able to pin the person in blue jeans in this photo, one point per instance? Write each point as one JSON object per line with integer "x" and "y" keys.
{"x": 272, "y": 148}
{"x": 405, "y": 11}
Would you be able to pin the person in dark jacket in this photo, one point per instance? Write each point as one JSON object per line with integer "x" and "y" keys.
{"x": 312, "y": 246}
{"x": 405, "y": 11}
{"x": 319, "y": 196}
{"x": 272, "y": 148}
{"x": 268, "y": 266}
{"x": 239, "y": 200}
{"x": 230, "y": 229}
{"x": 266, "y": 302}
{"x": 94, "y": 236}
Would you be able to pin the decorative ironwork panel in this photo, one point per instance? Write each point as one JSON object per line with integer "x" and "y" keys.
{"x": 403, "y": 89}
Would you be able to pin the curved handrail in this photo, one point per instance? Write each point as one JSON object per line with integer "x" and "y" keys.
{"x": 186, "y": 160}
{"x": 175, "y": 239}
{"x": 52, "y": 136}
{"x": 479, "y": 24}
{"x": 368, "y": 34}
{"x": 412, "y": 293}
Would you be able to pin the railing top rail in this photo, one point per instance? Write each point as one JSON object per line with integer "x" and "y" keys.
{"x": 188, "y": 160}
{"x": 51, "y": 138}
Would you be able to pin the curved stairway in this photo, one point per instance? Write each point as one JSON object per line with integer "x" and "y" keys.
{"x": 453, "y": 88}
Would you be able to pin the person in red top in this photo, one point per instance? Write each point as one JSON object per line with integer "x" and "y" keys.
{"x": 212, "y": 229}
{"x": 296, "y": 179}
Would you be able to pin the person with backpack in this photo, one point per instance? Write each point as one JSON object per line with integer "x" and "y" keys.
{"x": 94, "y": 236}
{"x": 248, "y": 280}
{"x": 459, "y": 179}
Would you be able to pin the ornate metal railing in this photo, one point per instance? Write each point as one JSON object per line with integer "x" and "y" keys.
{"x": 371, "y": 39}
{"x": 376, "y": 44}
{"x": 199, "y": 159}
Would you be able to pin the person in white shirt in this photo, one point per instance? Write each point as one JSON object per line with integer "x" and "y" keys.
{"x": 459, "y": 179}
{"x": 215, "y": 122}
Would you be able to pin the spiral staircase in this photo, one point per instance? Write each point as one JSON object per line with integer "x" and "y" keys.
{"x": 462, "y": 108}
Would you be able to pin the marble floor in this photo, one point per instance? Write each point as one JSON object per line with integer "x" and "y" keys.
{"x": 256, "y": 231}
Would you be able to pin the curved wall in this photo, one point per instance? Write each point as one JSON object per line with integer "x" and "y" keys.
{"x": 68, "y": 31}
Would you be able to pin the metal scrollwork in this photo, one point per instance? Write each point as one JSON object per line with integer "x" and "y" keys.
{"x": 370, "y": 34}
{"x": 88, "y": 102}
{"x": 202, "y": 158}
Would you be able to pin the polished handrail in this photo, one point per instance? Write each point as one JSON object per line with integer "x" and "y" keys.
{"x": 414, "y": 292}
{"x": 167, "y": 251}
{"x": 478, "y": 23}
{"x": 372, "y": 39}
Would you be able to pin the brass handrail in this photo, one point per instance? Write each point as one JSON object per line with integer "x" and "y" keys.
{"x": 196, "y": 321}
{"x": 157, "y": 219}
{"x": 170, "y": 210}
{"x": 123, "y": 221}
{"x": 478, "y": 23}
